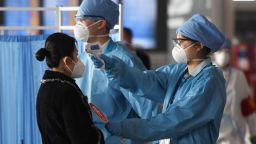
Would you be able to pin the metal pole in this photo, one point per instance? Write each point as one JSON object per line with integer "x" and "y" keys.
{"x": 120, "y": 20}
{"x": 58, "y": 19}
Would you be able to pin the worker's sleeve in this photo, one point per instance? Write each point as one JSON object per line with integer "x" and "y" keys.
{"x": 150, "y": 84}
{"x": 77, "y": 119}
{"x": 201, "y": 105}
{"x": 145, "y": 108}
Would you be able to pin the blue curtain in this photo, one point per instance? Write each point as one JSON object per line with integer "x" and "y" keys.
{"x": 20, "y": 75}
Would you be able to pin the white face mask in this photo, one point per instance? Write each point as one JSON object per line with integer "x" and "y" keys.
{"x": 222, "y": 58}
{"x": 179, "y": 54}
{"x": 78, "y": 70}
{"x": 82, "y": 33}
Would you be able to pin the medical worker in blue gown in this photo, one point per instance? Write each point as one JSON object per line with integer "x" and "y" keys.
{"x": 192, "y": 91}
{"x": 94, "y": 19}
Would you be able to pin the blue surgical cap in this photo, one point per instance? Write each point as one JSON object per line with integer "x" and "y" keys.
{"x": 227, "y": 44}
{"x": 202, "y": 30}
{"x": 95, "y": 9}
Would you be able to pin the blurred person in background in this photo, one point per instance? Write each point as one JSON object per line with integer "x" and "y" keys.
{"x": 237, "y": 114}
{"x": 127, "y": 40}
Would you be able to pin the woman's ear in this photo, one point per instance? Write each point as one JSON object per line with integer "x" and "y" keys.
{"x": 66, "y": 60}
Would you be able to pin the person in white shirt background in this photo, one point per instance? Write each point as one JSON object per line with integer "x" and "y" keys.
{"x": 234, "y": 124}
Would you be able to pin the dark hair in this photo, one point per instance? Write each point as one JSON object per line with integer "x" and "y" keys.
{"x": 57, "y": 46}
{"x": 128, "y": 31}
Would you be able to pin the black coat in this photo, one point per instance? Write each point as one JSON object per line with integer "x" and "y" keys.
{"x": 63, "y": 113}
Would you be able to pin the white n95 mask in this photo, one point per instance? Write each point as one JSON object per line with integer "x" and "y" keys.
{"x": 82, "y": 33}
{"x": 179, "y": 54}
{"x": 222, "y": 58}
{"x": 78, "y": 70}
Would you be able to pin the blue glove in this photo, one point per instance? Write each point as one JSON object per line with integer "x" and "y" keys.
{"x": 98, "y": 63}
{"x": 114, "y": 128}
{"x": 253, "y": 140}
{"x": 103, "y": 61}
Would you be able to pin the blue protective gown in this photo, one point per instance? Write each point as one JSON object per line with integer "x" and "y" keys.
{"x": 116, "y": 103}
{"x": 192, "y": 104}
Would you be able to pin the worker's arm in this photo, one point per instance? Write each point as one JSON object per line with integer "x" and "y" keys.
{"x": 150, "y": 84}
{"x": 200, "y": 106}
{"x": 144, "y": 107}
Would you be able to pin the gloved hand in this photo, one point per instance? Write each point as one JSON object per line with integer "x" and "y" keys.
{"x": 102, "y": 61}
{"x": 114, "y": 128}
{"x": 253, "y": 139}
{"x": 98, "y": 63}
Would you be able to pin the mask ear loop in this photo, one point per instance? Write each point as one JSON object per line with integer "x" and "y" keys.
{"x": 67, "y": 65}
{"x": 93, "y": 23}
{"x": 195, "y": 60}
{"x": 209, "y": 54}
{"x": 93, "y": 36}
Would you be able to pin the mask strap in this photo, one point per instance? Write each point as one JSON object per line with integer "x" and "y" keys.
{"x": 106, "y": 35}
{"x": 82, "y": 24}
{"x": 190, "y": 46}
{"x": 93, "y": 23}
{"x": 93, "y": 36}
{"x": 68, "y": 67}
{"x": 195, "y": 60}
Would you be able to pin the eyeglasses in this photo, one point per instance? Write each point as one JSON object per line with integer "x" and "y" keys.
{"x": 179, "y": 40}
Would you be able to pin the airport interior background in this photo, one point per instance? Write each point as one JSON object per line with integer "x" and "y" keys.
{"x": 153, "y": 23}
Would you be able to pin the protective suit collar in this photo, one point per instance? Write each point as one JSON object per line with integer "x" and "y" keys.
{"x": 109, "y": 46}
{"x": 201, "y": 66}
{"x": 105, "y": 45}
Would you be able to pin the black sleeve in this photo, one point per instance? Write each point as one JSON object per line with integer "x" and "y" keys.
{"x": 77, "y": 119}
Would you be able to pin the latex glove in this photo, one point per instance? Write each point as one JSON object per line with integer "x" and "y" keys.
{"x": 114, "y": 128}
{"x": 253, "y": 139}
{"x": 102, "y": 61}
{"x": 98, "y": 62}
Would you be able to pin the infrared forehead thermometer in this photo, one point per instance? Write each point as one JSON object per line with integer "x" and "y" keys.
{"x": 93, "y": 49}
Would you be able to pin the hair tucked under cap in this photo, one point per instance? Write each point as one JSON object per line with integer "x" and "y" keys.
{"x": 105, "y": 9}
{"x": 199, "y": 28}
